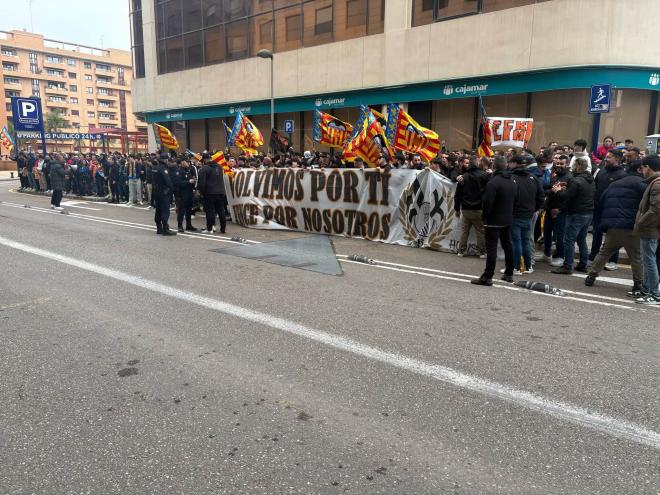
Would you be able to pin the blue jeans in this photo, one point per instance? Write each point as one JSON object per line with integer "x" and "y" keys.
{"x": 577, "y": 226}
{"x": 648, "y": 248}
{"x": 554, "y": 227}
{"x": 521, "y": 230}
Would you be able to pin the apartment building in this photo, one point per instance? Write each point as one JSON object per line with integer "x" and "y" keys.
{"x": 196, "y": 65}
{"x": 89, "y": 87}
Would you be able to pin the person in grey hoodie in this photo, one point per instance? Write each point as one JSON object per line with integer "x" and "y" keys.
{"x": 580, "y": 151}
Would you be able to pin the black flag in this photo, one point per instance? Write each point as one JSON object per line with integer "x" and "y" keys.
{"x": 278, "y": 143}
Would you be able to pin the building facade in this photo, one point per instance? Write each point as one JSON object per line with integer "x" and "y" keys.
{"x": 195, "y": 64}
{"x": 88, "y": 87}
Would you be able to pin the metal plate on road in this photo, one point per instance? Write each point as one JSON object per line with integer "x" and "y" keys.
{"x": 314, "y": 253}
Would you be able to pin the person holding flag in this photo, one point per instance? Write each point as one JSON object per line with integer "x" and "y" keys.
{"x": 211, "y": 185}
{"x": 407, "y": 135}
{"x": 486, "y": 133}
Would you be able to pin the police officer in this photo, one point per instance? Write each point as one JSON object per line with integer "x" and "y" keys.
{"x": 184, "y": 181}
{"x": 162, "y": 191}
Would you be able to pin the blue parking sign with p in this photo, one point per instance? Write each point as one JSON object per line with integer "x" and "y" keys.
{"x": 27, "y": 114}
{"x": 288, "y": 126}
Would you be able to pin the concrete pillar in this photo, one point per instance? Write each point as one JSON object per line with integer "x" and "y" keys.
{"x": 398, "y": 15}
{"x": 149, "y": 34}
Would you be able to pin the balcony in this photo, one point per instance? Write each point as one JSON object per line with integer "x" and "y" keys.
{"x": 55, "y": 65}
{"x": 9, "y": 68}
{"x": 56, "y": 90}
{"x": 107, "y": 119}
{"x": 102, "y": 70}
{"x": 112, "y": 96}
{"x": 12, "y": 83}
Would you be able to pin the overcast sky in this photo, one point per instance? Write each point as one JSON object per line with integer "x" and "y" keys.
{"x": 98, "y": 23}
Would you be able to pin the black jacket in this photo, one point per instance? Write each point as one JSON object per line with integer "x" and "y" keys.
{"x": 529, "y": 197}
{"x": 211, "y": 180}
{"x": 620, "y": 202}
{"x": 557, "y": 200}
{"x": 580, "y": 194}
{"x": 57, "y": 174}
{"x": 605, "y": 176}
{"x": 499, "y": 200}
{"x": 162, "y": 183}
{"x": 469, "y": 194}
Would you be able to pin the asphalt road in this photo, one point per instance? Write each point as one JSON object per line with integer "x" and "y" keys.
{"x": 133, "y": 363}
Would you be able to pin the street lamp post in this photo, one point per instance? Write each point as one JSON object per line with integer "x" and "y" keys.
{"x": 268, "y": 54}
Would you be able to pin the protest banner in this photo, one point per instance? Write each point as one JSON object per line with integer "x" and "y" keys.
{"x": 511, "y": 131}
{"x": 406, "y": 207}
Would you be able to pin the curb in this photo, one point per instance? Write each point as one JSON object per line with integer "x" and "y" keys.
{"x": 94, "y": 199}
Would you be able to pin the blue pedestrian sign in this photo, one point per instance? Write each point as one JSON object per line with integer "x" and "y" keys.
{"x": 289, "y": 126}
{"x": 601, "y": 96}
{"x": 27, "y": 114}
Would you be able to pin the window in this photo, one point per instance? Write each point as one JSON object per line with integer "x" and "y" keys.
{"x": 9, "y": 52}
{"x": 71, "y": 61}
{"x": 87, "y": 65}
{"x": 73, "y": 100}
{"x": 53, "y": 58}
{"x": 72, "y": 75}
{"x": 55, "y": 72}
{"x": 323, "y": 22}
{"x": 88, "y": 77}
{"x": 9, "y": 93}
{"x": 73, "y": 87}
{"x": 12, "y": 80}
{"x": 237, "y": 40}
{"x": 104, "y": 67}
{"x": 428, "y": 11}
{"x": 90, "y": 102}
{"x": 91, "y": 115}
{"x": 356, "y": 13}
{"x": 193, "y": 48}
{"x": 9, "y": 67}
{"x": 57, "y": 98}
{"x": 32, "y": 56}
{"x": 75, "y": 125}
{"x": 75, "y": 113}
{"x": 89, "y": 90}
{"x": 266, "y": 32}
{"x": 294, "y": 28}
{"x": 104, "y": 91}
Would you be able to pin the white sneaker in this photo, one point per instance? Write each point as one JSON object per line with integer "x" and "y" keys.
{"x": 515, "y": 271}
{"x": 557, "y": 262}
{"x": 529, "y": 271}
{"x": 204, "y": 231}
{"x": 460, "y": 254}
{"x": 52, "y": 207}
{"x": 547, "y": 259}
{"x": 610, "y": 267}
{"x": 483, "y": 256}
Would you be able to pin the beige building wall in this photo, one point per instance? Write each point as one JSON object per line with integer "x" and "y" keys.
{"x": 550, "y": 34}
{"x": 86, "y": 85}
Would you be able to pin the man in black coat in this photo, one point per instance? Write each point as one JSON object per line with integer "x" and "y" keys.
{"x": 184, "y": 183}
{"x": 57, "y": 175}
{"x": 162, "y": 191}
{"x": 467, "y": 202}
{"x": 610, "y": 171}
{"x": 555, "y": 213}
{"x": 579, "y": 195}
{"x": 211, "y": 185}
{"x": 529, "y": 200}
{"x": 498, "y": 204}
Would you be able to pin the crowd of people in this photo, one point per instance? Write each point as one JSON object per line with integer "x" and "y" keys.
{"x": 517, "y": 198}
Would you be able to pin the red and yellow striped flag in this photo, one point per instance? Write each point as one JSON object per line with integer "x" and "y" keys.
{"x": 245, "y": 135}
{"x": 484, "y": 148}
{"x": 165, "y": 137}
{"x": 219, "y": 158}
{"x": 407, "y": 135}
{"x": 329, "y": 130}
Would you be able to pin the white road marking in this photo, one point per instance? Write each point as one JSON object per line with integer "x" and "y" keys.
{"x": 411, "y": 269}
{"x": 498, "y": 285}
{"x": 600, "y": 422}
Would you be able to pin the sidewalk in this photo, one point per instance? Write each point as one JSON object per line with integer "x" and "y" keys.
{"x": 94, "y": 199}
{"x": 6, "y": 175}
